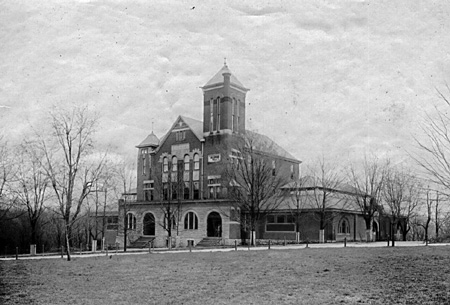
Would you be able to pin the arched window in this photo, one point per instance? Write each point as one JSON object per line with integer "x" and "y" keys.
{"x": 196, "y": 162}
{"x": 211, "y": 119}
{"x": 165, "y": 165}
{"x": 186, "y": 163}
{"x": 218, "y": 113}
{"x": 131, "y": 221}
{"x": 191, "y": 221}
{"x": 344, "y": 228}
{"x": 148, "y": 224}
{"x": 174, "y": 163}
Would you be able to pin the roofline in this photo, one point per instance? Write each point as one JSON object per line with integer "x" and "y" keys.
{"x": 221, "y": 84}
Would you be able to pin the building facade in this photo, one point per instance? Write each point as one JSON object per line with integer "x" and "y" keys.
{"x": 181, "y": 188}
{"x": 183, "y": 195}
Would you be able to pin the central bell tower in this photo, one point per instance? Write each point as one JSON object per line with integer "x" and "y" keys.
{"x": 223, "y": 104}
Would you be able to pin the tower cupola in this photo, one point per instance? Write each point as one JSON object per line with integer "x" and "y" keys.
{"x": 223, "y": 104}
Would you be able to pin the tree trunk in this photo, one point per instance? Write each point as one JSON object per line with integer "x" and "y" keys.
{"x": 67, "y": 243}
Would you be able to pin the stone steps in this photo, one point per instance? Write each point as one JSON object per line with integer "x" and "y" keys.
{"x": 210, "y": 242}
{"x": 141, "y": 242}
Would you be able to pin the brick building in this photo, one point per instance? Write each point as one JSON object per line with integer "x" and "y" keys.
{"x": 181, "y": 188}
{"x": 184, "y": 169}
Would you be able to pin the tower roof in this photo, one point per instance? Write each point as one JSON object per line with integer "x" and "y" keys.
{"x": 150, "y": 141}
{"x": 217, "y": 79}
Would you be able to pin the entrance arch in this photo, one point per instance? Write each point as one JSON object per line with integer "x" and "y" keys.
{"x": 149, "y": 224}
{"x": 214, "y": 225}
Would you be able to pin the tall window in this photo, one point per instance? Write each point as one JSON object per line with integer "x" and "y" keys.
{"x": 211, "y": 123}
{"x": 233, "y": 107}
{"x": 218, "y": 113}
{"x": 131, "y": 221}
{"x": 149, "y": 191}
{"x": 186, "y": 163}
{"x": 196, "y": 162}
{"x": 174, "y": 164}
{"x": 190, "y": 221}
{"x": 292, "y": 171}
{"x": 344, "y": 227}
{"x": 165, "y": 165}
{"x": 237, "y": 114}
{"x": 174, "y": 190}
{"x": 214, "y": 188}
{"x": 165, "y": 191}
{"x": 187, "y": 190}
{"x": 196, "y": 190}
{"x": 144, "y": 163}
{"x": 273, "y": 167}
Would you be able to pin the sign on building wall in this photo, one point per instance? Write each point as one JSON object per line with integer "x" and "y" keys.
{"x": 213, "y": 158}
{"x": 180, "y": 150}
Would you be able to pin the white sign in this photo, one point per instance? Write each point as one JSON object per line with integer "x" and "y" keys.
{"x": 213, "y": 158}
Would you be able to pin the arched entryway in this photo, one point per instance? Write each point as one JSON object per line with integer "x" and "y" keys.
{"x": 149, "y": 224}
{"x": 214, "y": 225}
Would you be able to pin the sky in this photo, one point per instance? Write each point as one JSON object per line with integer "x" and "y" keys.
{"x": 327, "y": 78}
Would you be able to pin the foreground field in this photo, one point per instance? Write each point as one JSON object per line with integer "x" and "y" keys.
{"x": 306, "y": 276}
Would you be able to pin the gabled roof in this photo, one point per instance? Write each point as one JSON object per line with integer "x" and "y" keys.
{"x": 266, "y": 145}
{"x": 218, "y": 78}
{"x": 195, "y": 125}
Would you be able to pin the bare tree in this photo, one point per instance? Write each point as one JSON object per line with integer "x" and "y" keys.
{"x": 255, "y": 185}
{"x": 326, "y": 181}
{"x": 31, "y": 183}
{"x": 7, "y": 173}
{"x": 434, "y": 145}
{"x": 425, "y": 222}
{"x": 297, "y": 201}
{"x": 401, "y": 196}
{"x": 70, "y": 163}
{"x": 368, "y": 184}
{"x": 169, "y": 187}
{"x": 121, "y": 186}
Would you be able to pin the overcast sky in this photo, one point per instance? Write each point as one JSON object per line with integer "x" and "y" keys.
{"x": 336, "y": 78}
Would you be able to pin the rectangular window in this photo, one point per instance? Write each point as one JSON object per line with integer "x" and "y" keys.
{"x": 271, "y": 218}
{"x": 196, "y": 190}
{"x": 165, "y": 191}
{"x": 187, "y": 191}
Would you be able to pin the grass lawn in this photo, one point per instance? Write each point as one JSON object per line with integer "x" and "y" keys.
{"x": 416, "y": 275}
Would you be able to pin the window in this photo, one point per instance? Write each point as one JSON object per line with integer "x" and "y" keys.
{"x": 292, "y": 171}
{"x": 165, "y": 165}
{"x": 196, "y": 190}
{"x": 149, "y": 191}
{"x": 190, "y": 221}
{"x": 233, "y": 107}
{"x": 180, "y": 135}
{"x": 237, "y": 114}
{"x": 144, "y": 163}
{"x": 273, "y": 167}
{"x": 280, "y": 223}
{"x": 165, "y": 191}
{"x": 174, "y": 190}
{"x": 187, "y": 160}
{"x": 344, "y": 228}
{"x": 196, "y": 162}
{"x": 211, "y": 119}
{"x": 214, "y": 188}
{"x": 218, "y": 113}
{"x": 131, "y": 221}
{"x": 174, "y": 164}
{"x": 187, "y": 190}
